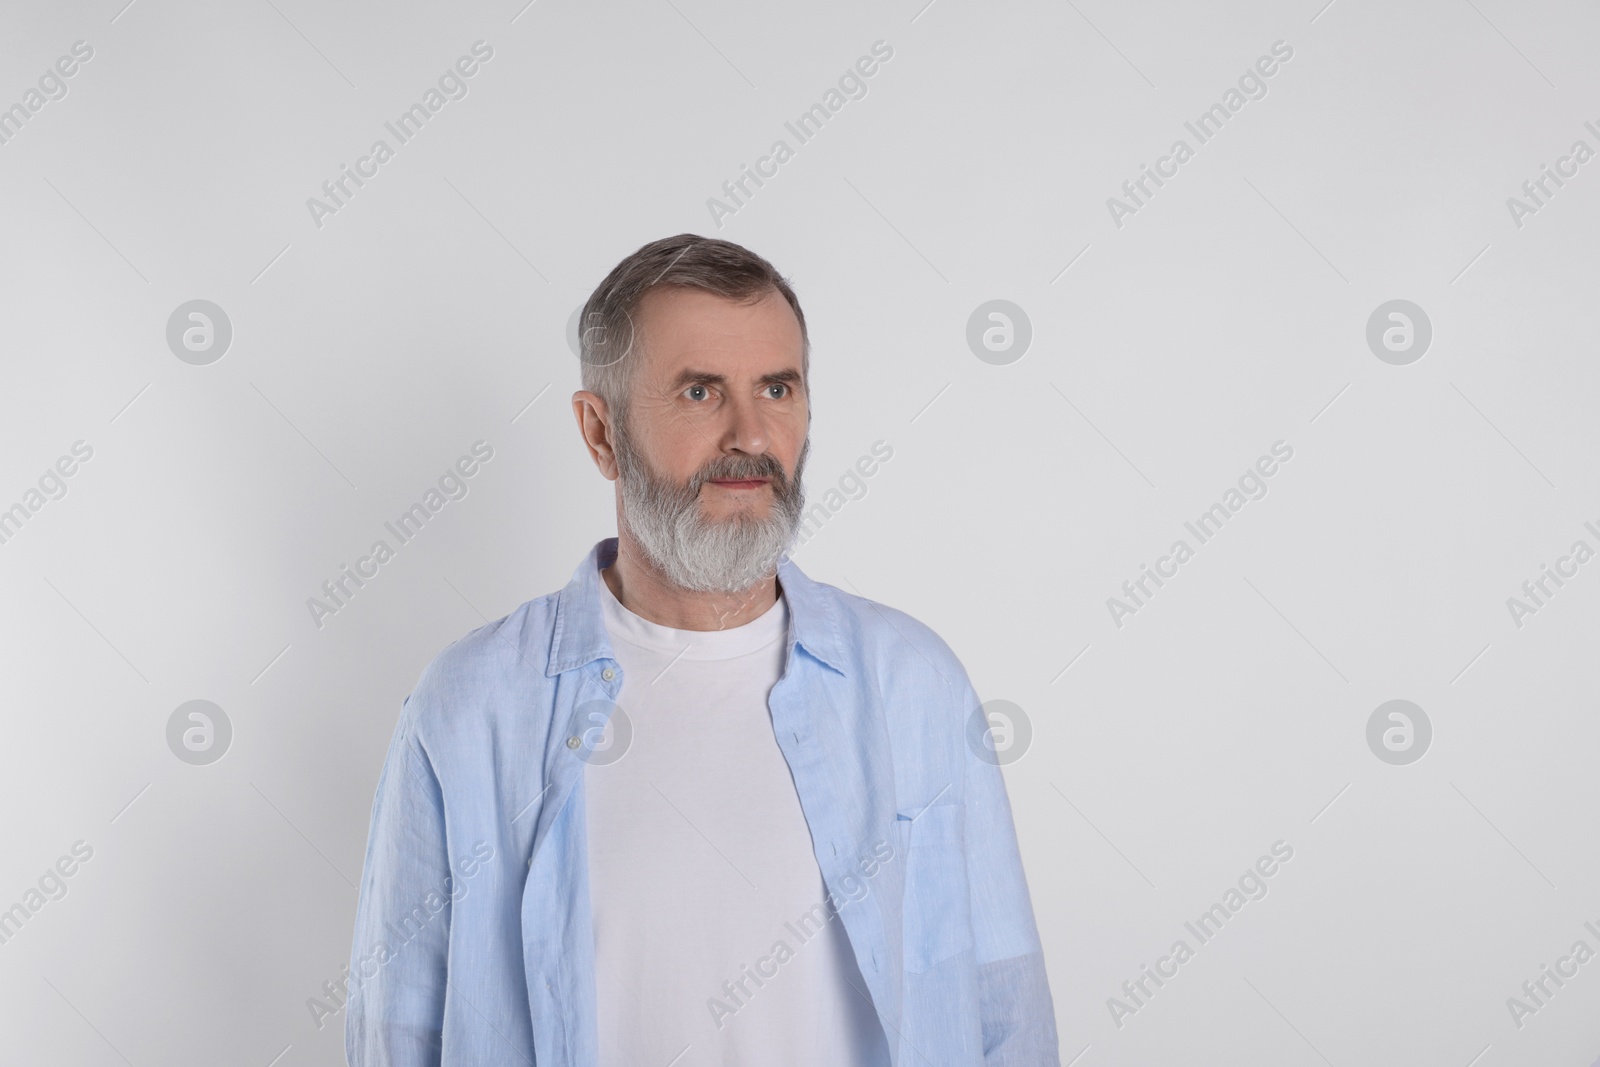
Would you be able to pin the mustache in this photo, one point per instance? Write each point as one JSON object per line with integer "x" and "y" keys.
{"x": 734, "y": 468}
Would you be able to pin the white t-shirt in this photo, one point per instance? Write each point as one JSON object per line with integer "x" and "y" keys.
{"x": 701, "y": 864}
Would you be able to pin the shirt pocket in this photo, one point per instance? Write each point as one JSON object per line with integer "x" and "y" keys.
{"x": 936, "y": 921}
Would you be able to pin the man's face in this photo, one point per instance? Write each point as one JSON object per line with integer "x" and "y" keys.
{"x": 712, "y": 447}
{"x": 718, "y": 393}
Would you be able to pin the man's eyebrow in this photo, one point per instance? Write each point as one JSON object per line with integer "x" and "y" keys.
{"x": 692, "y": 377}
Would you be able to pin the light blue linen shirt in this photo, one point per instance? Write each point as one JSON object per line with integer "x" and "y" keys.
{"x": 474, "y": 942}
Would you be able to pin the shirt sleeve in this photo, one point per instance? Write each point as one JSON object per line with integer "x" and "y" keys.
{"x": 1019, "y": 1023}
{"x": 395, "y": 1013}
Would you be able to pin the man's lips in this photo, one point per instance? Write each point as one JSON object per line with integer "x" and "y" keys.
{"x": 739, "y": 483}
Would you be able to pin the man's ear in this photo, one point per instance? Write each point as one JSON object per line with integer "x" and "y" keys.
{"x": 594, "y": 424}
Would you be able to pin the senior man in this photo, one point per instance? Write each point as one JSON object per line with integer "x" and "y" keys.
{"x": 695, "y": 808}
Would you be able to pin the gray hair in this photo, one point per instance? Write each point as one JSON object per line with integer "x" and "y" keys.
{"x": 606, "y": 335}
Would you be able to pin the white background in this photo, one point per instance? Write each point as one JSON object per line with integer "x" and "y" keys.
{"x": 1168, "y": 354}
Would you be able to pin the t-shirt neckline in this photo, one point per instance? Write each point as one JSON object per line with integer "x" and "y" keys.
{"x": 760, "y": 632}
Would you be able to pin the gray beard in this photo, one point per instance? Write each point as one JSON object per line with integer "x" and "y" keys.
{"x": 700, "y": 554}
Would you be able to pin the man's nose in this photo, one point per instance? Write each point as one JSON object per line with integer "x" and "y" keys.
{"x": 746, "y": 430}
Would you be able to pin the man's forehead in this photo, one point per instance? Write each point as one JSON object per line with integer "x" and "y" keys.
{"x": 680, "y": 327}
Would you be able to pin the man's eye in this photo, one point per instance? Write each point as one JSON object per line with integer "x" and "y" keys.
{"x": 782, "y": 390}
{"x": 696, "y": 392}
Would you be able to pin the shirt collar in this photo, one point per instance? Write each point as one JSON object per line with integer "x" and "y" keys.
{"x": 580, "y": 632}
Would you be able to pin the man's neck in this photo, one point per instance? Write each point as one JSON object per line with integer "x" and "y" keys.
{"x": 645, "y": 591}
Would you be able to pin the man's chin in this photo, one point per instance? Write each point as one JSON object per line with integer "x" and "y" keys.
{"x": 713, "y": 491}
{"x": 758, "y": 507}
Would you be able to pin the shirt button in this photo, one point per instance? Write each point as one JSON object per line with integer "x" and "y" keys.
{"x": 608, "y": 674}
{"x": 573, "y": 742}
